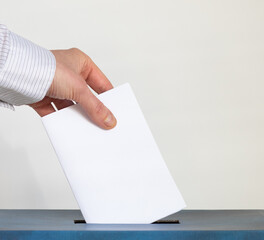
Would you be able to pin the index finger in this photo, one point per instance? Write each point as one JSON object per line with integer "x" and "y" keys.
{"x": 94, "y": 77}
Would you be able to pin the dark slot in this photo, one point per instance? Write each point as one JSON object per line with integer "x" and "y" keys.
{"x": 79, "y": 221}
{"x": 157, "y": 222}
{"x": 167, "y": 222}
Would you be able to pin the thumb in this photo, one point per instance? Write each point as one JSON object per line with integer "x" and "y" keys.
{"x": 94, "y": 108}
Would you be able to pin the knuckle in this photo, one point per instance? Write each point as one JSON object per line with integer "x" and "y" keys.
{"x": 87, "y": 61}
{"x": 75, "y": 50}
{"x": 84, "y": 61}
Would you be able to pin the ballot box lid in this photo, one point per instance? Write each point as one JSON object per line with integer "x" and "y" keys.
{"x": 193, "y": 224}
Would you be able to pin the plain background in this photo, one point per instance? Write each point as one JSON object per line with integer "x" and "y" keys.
{"x": 197, "y": 69}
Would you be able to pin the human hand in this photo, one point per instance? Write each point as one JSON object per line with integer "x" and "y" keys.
{"x": 74, "y": 71}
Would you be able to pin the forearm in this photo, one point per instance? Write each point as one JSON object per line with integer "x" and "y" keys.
{"x": 26, "y": 70}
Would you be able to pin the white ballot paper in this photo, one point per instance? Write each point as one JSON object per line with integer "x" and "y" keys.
{"x": 118, "y": 175}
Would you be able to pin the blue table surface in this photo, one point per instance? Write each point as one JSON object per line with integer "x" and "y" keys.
{"x": 194, "y": 224}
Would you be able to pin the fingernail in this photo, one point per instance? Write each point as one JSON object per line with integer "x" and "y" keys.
{"x": 110, "y": 120}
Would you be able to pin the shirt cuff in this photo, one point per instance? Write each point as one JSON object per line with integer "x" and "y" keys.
{"x": 27, "y": 73}
{"x": 7, "y": 105}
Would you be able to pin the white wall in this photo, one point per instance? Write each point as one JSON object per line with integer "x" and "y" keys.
{"x": 197, "y": 68}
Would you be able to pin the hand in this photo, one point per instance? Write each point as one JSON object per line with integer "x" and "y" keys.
{"x": 74, "y": 70}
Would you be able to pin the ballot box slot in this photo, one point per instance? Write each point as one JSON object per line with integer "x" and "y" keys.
{"x": 170, "y": 221}
{"x": 79, "y": 222}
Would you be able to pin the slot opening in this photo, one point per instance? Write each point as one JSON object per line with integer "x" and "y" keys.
{"x": 82, "y": 221}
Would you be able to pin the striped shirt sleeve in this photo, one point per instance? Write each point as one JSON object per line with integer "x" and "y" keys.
{"x": 26, "y": 70}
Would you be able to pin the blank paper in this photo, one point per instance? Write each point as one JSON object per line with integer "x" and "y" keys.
{"x": 118, "y": 175}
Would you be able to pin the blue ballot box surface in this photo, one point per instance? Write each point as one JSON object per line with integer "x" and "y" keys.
{"x": 194, "y": 224}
